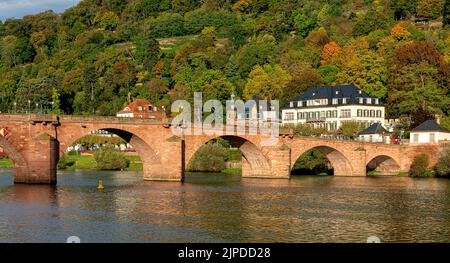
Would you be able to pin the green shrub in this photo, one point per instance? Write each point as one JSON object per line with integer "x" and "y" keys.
{"x": 209, "y": 158}
{"x": 443, "y": 164}
{"x": 419, "y": 166}
{"x": 110, "y": 158}
{"x": 63, "y": 162}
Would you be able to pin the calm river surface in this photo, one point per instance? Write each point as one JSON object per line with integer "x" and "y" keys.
{"x": 223, "y": 208}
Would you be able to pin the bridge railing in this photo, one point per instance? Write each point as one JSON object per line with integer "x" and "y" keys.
{"x": 74, "y": 118}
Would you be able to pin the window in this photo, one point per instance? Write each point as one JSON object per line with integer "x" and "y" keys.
{"x": 432, "y": 137}
{"x": 140, "y": 108}
{"x": 376, "y": 101}
{"x": 346, "y": 113}
{"x": 335, "y": 101}
{"x": 291, "y": 104}
{"x": 378, "y": 114}
{"x": 248, "y": 114}
{"x": 369, "y": 101}
{"x": 366, "y": 113}
{"x": 323, "y": 114}
{"x": 289, "y": 116}
{"x": 416, "y": 137}
{"x": 359, "y": 113}
{"x": 150, "y": 108}
{"x": 372, "y": 113}
{"x": 361, "y": 101}
{"x": 335, "y": 114}
{"x": 299, "y": 103}
{"x": 344, "y": 100}
{"x": 333, "y": 126}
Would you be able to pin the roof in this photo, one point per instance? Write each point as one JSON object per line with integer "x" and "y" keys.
{"x": 429, "y": 125}
{"x": 133, "y": 106}
{"x": 332, "y": 92}
{"x": 375, "y": 128}
{"x": 350, "y": 92}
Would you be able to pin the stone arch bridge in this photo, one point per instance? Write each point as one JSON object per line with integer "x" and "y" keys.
{"x": 35, "y": 142}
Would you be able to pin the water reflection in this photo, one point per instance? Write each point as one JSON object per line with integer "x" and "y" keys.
{"x": 220, "y": 208}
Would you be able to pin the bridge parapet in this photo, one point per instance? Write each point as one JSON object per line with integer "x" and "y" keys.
{"x": 37, "y": 118}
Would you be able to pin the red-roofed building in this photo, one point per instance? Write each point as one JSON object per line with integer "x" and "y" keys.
{"x": 141, "y": 109}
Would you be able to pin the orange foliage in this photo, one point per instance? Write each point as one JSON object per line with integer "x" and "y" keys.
{"x": 399, "y": 32}
{"x": 330, "y": 51}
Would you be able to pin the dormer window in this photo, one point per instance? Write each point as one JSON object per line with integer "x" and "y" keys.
{"x": 291, "y": 104}
{"x": 376, "y": 101}
{"x": 337, "y": 92}
{"x": 344, "y": 100}
{"x": 361, "y": 101}
{"x": 369, "y": 101}
{"x": 335, "y": 101}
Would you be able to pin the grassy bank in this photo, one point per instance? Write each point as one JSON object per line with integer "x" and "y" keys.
{"x": 5, "y": 162}
{"x": 232, "y": 171}
{"x": 87, "y": 162}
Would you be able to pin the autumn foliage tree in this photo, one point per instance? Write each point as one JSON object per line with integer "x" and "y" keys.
{"x": 329, "y": 52}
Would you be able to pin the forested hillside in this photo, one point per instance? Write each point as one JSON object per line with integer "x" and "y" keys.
{"x": 99, "y": 54}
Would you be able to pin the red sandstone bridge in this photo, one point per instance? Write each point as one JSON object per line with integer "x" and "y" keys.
{"x": 35, "y": 142}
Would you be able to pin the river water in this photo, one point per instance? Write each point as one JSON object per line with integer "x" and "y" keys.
{"x": 223, "y": 208}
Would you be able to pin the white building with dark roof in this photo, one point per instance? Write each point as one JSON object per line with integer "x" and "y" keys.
{"x": 429, "y": 132}
{"x": 328, "y": 107}
{"x": 375, "y": 133}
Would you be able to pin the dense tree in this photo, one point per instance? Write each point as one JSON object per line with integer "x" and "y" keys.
{"x": 373, "y": 20}
{"x": 258, "y": 52}
{"x": 166, "y": 24}
{"x": 420, "y": 116}
{"x": 446, "y": 13}
{"x": 98, "y": 54}
{"x": 267, "y": 82}
{"x": 430, "y": 8}
{"x": 368, "y": 72}
{"x": 148, "y": 51}
{"x": 403, "y": 8}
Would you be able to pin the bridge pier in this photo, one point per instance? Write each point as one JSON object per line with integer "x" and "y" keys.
{"x": 42, "y": 157}
{"x": 278, "y": 164}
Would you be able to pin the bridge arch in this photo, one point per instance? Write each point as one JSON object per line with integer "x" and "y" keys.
{"x": 341, "y": 165}
{"x": 254, "y": 162}
{"x": 383, "y": 164}
{"x": 152, "y": 165}
{"x": 20, "y": 165}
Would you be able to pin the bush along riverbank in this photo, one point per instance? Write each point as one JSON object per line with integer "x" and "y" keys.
{"x": 107, "y": 158}
{"x": 420, "y": 164}
{"x": 215, "y": 157}
{"x": 5, "y": 162}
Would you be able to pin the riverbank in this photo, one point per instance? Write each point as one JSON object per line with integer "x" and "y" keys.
{"x": 87, "y": 162}
{"x": 5, "y": 162}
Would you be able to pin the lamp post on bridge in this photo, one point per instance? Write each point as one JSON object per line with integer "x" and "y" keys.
{"x": 29, "y": 107}
{"x": 15, "y": 107}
